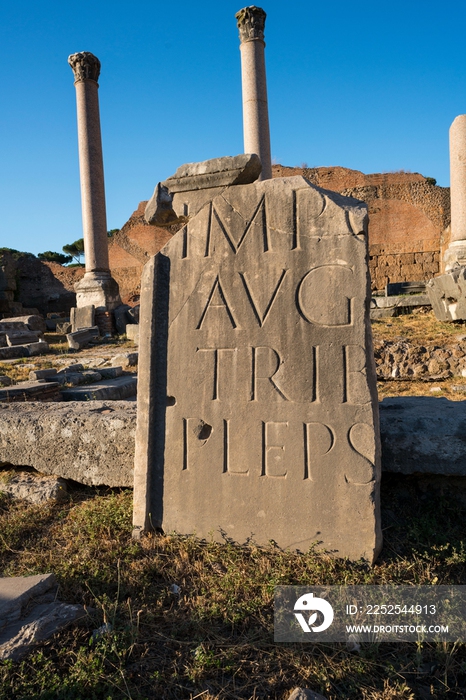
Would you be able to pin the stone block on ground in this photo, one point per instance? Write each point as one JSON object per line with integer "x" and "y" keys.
{"x": 423, "y": 434}
{"x": 64, "y": 328}
{"x": 121, "y": 318}
{"x": 80, "y": 339}
{"x": 92, "y": 442}
{"x": 40, "y": 348}
{"x": 31, "y": 614}
{"x": 132, "y": 332}
{"x": 447, "y": 294}
{"x": 133, "y": 313}
{"x": 125, "y": 360}
{"x": 21, "y": 337}
{"x": 14, "y": 352}
{"x": 105, "y": 390}
{"x": 82, "y": 317}
{"x": 33, "y": 487}
{"x": 110, "y": 372}
{"x": 34, "y": 322}
{"x": 305, "y": 694}
{"x": 41, "y": 390}
{"x": 36, "y": 374}
{"x": 236, "y": 433}
{"x": 5, "y": 380}
{"x": 77, "y": 378}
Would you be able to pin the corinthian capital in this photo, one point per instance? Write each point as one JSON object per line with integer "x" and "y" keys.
{"x": 251, "y": 23}
{"x": 85, "y": 66}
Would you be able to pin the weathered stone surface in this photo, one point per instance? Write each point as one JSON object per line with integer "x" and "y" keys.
{"x": 132, "y": 332}
{"x": 64, "y": 328}
{"x": 305, "y": 694}
{"x": 106, "y": 390}
{"x": 6, "y": 325}
{"x": 21, "y": 337}
{"x": 16, "y": 591}
{"x": 133, "y": 314}
{"x": 42, "y": 374}
{"x": 265, "y": 303}
{"x": 82, "y": 317}
{"x": 43, "y": 622}
{"x": 80, "y": 339}
{"x": 33, "y": 321}
{"x": 14, "y": 352}
{"x": 32, "y": 487}
{"x": 31, "y": 391}
{"x": 447, "y": 294}
{"x": 423, "y": 434}
{"x": 217, "y": 172}
{"x": 5, "y": 380}
{"x": 110, "y": 372}
{"x": 40, "y": 348}
{"x": 159, "y": 209}
{"x": 29, "y": 613}
{"x": 91, "y": 442}
{"x": 121, "y": 319}
{"x": 77, "y": 378}
{"x": 125, "y": 360}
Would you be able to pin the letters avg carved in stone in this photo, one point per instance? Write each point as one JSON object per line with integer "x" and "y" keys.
{"x": 257, "y": 414}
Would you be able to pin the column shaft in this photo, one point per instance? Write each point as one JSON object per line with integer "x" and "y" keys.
{"x": 255, "y": 106}
{"x": 92, "y": 176}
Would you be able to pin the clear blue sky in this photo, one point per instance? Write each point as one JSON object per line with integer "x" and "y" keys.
{"x": 372, "y": 86}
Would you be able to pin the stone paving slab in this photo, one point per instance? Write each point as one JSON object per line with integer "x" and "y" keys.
{"x": 16, "y": 591}
{"x": 108, "y": 389}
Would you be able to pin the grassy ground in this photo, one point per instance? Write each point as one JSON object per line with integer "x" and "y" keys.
{"x": 215, "y": 639}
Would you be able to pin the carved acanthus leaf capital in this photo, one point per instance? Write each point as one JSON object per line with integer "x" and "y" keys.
{"x": 251, "y": 23}
{"x": 85, "y": 66}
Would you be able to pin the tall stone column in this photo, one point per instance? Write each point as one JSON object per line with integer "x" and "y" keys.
{"x": 456, "y": 252}
{"x": 97, "y": 287}
{"x": 251, "y": 23}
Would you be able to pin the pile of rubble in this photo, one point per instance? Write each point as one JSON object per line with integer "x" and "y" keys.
{"x": 399, "y": 359}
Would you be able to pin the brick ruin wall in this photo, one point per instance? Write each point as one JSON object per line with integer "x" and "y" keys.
{"x": 409, "y": 219}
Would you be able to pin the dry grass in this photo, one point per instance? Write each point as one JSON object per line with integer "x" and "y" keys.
{"x": 215, "y": 639}
{"x": 419, "y": 329}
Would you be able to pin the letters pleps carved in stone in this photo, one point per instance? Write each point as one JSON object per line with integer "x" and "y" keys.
{"x": 257, "y": 414}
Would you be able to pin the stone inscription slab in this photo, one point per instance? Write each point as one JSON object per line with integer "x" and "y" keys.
{"x": 257, "y": 413}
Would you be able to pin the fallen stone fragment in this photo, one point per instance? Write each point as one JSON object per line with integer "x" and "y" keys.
{"x": 217, "y": 172}
{"x": 40, "y": 348}
{"x": 132, "y": 332}
{"x": 92, "y": 442}
{"x": 42, "y": 374}
{"x": 5, "y": 381}
{"x": 14, "y": 352}
{"x": 76, "y": 378}
{"x": 110, "y": 372}
{"x": 159, "y": 209}
{"x": 33, "y": 321}
{"x": 83, "y": 317}
{"x": 305, "y": 694}
{"x": 79, "y": 339}
{"x": 29, "y": 613}
{"x": 106, "y": 390}
{"x": 64, "y": 328}
{"x": 21, "y": 337}
{"x": 31, "y": 391}
{"x": 119, "y": 314}
{"x": 33, "y": 487}
{"x": 127, "y": 359}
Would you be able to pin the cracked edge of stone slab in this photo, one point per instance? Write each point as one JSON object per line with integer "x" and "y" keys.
{"x": 217, "y": 172}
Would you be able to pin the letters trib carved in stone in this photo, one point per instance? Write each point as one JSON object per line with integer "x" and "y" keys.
{"x": 257, "y": 414}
